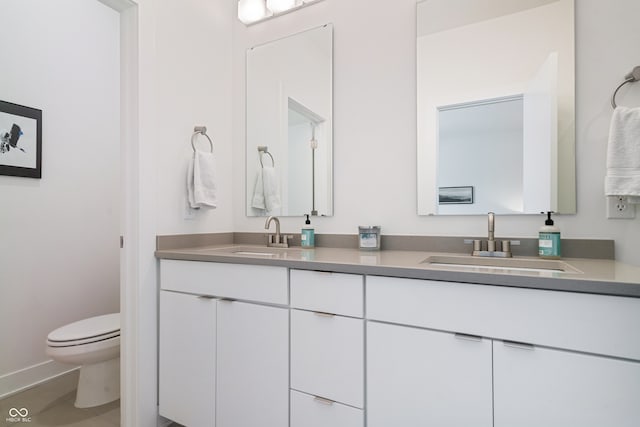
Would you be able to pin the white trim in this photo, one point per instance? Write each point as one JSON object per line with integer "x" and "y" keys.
{"x": 131, "y": 411}
{"x": 20, "y": 380}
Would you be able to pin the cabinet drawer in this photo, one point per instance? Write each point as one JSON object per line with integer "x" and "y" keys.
{"x": 237, "y": 281}
{"x": 327, "y": 356}
{"x": 591, "y": 323}
{"x": 327, "y": 292}
{"x": 308, "y": 411}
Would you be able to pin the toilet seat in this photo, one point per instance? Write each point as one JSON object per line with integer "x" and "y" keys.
{"x": 71, "y": 343}
{"x": 87, "y": 331}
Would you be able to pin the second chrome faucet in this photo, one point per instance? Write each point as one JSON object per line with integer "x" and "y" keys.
{"x": 490, "y": 247}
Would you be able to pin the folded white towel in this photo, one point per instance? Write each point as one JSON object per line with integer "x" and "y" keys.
{"x": 623, "y": 154}
{"x": 201, "y": 181}
{"x": 266, "y": 193}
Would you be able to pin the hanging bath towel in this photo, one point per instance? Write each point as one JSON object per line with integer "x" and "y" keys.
{"x": 623, "y": 154}
{"x": 201, "y": 181}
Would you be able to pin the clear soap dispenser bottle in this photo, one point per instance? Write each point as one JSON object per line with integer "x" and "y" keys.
{"x": 307, "y": 236}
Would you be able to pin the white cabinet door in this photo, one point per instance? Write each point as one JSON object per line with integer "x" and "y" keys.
{"x": 552, "y": 388}
{"x": 187, "y": 359}
{"x": 327, "y": 356}
{"x": 417, "y": 377}
{"x": 253, "y": 365}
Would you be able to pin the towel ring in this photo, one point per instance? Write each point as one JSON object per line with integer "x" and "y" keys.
{"x": 633, "y": 76}
{"x": 202, "y": 130}
{"x": 262, "y": 149}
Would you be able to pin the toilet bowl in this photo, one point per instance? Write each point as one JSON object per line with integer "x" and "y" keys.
{"x": 94, "y": 344}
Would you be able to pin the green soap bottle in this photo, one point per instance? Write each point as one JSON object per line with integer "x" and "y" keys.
{"x": 549, "y": 239}
{"x": 307, "y": 236}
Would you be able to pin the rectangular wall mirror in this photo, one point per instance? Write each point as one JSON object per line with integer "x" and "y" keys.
{"x": 289, "y": 145}
{"x": 495, "y": 107}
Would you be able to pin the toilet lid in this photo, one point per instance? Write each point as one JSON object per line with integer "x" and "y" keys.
{"x": 104, "y": 326}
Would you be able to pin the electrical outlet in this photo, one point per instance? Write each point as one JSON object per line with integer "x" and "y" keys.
{"x": 189, "y": 212}
{"x": 619, "y": 208}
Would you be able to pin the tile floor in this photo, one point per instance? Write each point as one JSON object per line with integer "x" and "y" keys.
{"x": 51, "y": 404}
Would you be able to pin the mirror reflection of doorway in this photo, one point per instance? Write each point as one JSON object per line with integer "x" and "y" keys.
{"x": 304, "y": 143}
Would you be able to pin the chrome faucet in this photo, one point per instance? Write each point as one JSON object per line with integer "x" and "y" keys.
{"x": 276, "y": 240}
{"x": 489, "y": 250}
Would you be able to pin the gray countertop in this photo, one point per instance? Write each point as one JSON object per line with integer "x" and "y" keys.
{"x": 606, "y": 277}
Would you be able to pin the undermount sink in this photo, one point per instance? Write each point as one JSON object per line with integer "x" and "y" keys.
{"x": 489, "y": 263}
{"x": 261, "y": 251}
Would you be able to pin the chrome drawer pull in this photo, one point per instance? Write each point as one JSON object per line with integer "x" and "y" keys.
{"x": 323, "y": 400}
{"x": 520, "y": 345}
{"x": 468, "y": 337}
{"x": 322, "y": 314}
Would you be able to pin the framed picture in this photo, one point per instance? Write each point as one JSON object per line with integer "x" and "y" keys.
{"x": 20, "y": 140}
{"x": 455, "y": 195}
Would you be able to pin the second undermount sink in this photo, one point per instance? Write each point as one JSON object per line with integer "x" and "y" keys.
{"x": 260, "y": 251}
{"x": 518, "y": 264}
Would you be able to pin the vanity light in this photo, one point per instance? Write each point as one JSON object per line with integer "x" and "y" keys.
{"x": 253, "y": 11}
{"x": 278, "y": 6}
{"x": 250, "y": 11}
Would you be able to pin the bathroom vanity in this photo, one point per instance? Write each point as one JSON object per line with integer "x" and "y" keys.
{"x": 288, "y": 337}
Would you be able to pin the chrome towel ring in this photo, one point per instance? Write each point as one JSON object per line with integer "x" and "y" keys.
{"x": 200, "y": 130}
{"x": 263, "y": 149}
{"x": 633, "y": 76}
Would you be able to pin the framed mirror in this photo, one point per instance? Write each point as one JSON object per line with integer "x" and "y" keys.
{"x": 495, "y": 107}
{"x": 289, "y": 143}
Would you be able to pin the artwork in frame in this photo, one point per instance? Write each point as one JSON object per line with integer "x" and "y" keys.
{"x": 455, "y": 195}
{"x": 20, "y": 140}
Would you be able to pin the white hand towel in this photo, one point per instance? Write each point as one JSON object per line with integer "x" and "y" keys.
{"x": 266, "y": 194}
{"x": 623, "y": 154}
{"x": 257, "y": 201}
{"x": 271, "y": 190}
{"x": 201, "y": 181}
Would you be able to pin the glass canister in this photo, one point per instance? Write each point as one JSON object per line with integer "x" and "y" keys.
{"x": 369, "y": 237}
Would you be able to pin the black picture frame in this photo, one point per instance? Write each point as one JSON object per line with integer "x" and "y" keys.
{"x": 20, "y": 140}
{"x": 455, "y": 195}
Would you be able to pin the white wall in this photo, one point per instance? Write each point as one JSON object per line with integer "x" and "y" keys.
{"x": 375, "y": 120}
{"x": 59, "y": 245}
{"x": 192, "y": 67}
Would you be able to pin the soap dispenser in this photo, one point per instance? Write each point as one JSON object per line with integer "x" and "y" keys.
{"x": 307, "y": 236}
{"x": 549, "y": 239}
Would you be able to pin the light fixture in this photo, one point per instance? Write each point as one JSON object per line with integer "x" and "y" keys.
{"x": 278, "y": 6}
{"x": 253, "y": 11}
{"x": 250, "y": 11}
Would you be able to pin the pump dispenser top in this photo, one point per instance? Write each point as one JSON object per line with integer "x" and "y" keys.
{"x": 548, "y": 221}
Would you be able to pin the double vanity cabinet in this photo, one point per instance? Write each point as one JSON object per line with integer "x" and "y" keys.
{"x": 245, "y": 345}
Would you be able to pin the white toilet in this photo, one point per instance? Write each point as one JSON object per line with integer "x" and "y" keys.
{"x": 93, "y": 343}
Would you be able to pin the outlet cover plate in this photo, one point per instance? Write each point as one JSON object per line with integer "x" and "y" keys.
{"x": 619, "y": 208}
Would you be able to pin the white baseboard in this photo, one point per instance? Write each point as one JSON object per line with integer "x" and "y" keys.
{"x": 20, "y": 380}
